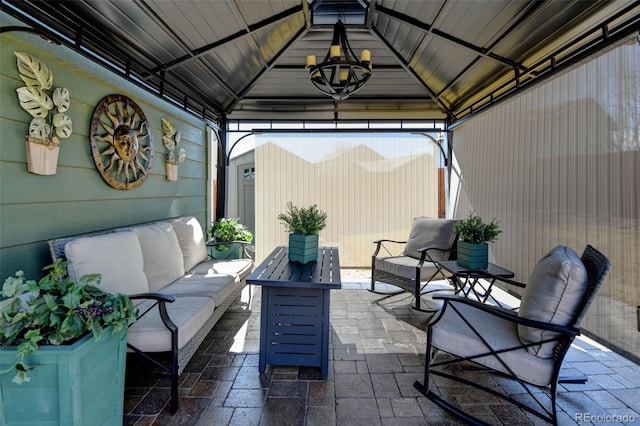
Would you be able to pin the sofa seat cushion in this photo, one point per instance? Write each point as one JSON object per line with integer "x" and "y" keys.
{"x": 191, "y": 240}
{"x": 189, "y": 314}
{"x": 240, "y": 267}
{"x": 163, "y": 260}
{"x": 215, "y": 286}
{"x": 116, "y": 256}
{"x": 553, "y": 294}
{"x": 451, "y": 334}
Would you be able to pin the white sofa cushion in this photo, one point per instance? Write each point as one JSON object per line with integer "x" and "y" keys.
{"x": 191, "y": 240}
{"x": 240, "y": 267}
{"x": 189, "y": 314}
{"x": 116, "y": 256}
{"x": 554, "y": 291}
{"x": 163, "y": 260}
{"x": 217, "y": 287}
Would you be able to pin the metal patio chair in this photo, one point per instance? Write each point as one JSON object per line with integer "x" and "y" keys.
{"x": 529, "y": 345}
{"x": 430, "y": 240}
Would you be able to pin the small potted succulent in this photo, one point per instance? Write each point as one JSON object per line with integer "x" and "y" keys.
{"x": 52, "y": 327}
{"x": 228, "y": 238}
{"x": 171, "y": 139}
{"x": 303, "y": 226}
{"x": 473, "y": 238}
{"x": 49, "y": 123}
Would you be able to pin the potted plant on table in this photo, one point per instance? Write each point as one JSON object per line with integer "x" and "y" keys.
{"x": 473, "y": 238}
{"x": 59, "y": 339}
{"x": 229, "y": 237}
{"x": 303, "y": 226}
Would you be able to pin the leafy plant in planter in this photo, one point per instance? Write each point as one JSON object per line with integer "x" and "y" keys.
{"x": 229, "y": 231}
{"x": 473, "y": 238}
{"x": 56, "y": 310}
{"x": 49, "y": 123}
{"x": 303, "y": 226}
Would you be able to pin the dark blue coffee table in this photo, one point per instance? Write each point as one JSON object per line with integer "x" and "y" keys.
{"x": 294, "y": 320}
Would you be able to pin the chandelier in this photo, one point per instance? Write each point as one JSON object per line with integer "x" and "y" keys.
{"x": 340, "y": 76}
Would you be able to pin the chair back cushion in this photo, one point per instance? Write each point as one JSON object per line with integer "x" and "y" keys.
{"x": 554, "y": 291}
{"x": 430, "y": 232}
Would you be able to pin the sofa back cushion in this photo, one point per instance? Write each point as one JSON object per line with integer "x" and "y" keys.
{"x": 191, "y": 240}
{"x": 553, "y": 294}
{"x": 116, "y": 256}
{"x": 163, "y": 261}
{"x": 430, "y": 232}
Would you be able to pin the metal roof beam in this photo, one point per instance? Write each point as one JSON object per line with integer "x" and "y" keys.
{"x": 411, "y": 71}
{"x": 409, "y": 20}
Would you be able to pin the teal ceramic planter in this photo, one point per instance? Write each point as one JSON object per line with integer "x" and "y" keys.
{"x": 79, "y": 384}
{"x": 473, "y": 256}
{"x": 226, "y": 251}
{"x": 303, "y": 248}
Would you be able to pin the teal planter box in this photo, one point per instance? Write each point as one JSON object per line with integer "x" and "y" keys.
{"x": 473, "y": 256}
{"x": 226, "y": 251}
{"x": 76, "y": 385}
{"x": 303, "y": 248}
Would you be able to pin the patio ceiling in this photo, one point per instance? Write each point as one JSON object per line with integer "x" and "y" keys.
{"x": 245, "y": 59}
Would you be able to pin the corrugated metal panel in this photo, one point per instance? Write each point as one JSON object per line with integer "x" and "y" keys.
{"x": 559, "y": 165}
{"x": 366, "y": 194}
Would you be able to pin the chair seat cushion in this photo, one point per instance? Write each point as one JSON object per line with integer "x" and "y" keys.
{"x": 451, "y": 334}
{"x": 189, "y": 314}
{"x": 405, "y": 266}
{"x": 554, "y": 291}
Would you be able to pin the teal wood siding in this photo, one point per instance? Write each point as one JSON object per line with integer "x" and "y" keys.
{"x": 76, "y": 199}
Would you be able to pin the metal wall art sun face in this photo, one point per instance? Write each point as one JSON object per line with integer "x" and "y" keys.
{"x": 121, "y": 142}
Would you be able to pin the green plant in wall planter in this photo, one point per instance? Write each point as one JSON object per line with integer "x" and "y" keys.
{"x": 229, "y": 236}
{"x": 171, "y": 139}
{"x": 303, "y": 226}
{"x": 58, "y": 339}
{"x": 49, "y": 123}
{"x": 473, "y": 238}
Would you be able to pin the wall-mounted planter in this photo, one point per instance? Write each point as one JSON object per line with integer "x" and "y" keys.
{"x": 78, "y": 384}
{"x": 42, "y": 155}
{"x": 172, "y": 171}
{"x": 303, "y": 248}
{"x": 473, "y": 256}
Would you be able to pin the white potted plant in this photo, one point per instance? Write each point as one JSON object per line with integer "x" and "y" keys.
{"x": 473, "y": 238}
{"x": 49, "y": 123}
{"x": 171, "y": 139}
{"x": 303, "y": 226}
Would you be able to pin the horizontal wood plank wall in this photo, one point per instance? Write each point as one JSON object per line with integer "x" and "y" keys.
{"x": 560, "y": 165}
{"x": 36, "y": 208}
{"x": 365, "y": 195}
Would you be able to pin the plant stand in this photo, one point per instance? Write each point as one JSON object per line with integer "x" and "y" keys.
{"x": 473, "y": 256}
{"x": 78, "y": 384}
{"x": 42, "y": 155}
